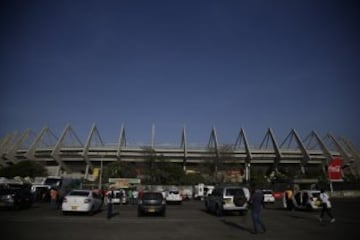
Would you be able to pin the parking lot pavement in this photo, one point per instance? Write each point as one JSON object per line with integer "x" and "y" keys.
{"x": 186, "y": 221}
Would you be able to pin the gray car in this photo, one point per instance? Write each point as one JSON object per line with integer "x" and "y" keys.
{"x": 151, "y": 203}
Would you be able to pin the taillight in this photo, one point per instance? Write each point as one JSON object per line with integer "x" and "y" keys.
{"x": 87, "y": 200}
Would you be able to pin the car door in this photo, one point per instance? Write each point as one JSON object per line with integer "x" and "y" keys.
{"x": 95, "y": 201}
{"x": 211, "y": 200}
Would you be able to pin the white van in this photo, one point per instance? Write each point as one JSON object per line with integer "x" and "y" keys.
{"x": 201, "y": 191}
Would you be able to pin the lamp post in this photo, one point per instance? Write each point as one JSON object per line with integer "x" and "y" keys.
{"x": 247, "y": 172}
{"x": 101, "y": 173}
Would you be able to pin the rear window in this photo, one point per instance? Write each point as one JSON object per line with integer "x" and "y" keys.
{"x": 316, "y": 194}
{"x": 267, "y": 192}
{"x": 52, "y": 181}
{"x": 152, "y": 196}
{"x": 79, "y": 193}
{"x": 234, "y": 191}
{"x": 174, "y": 192}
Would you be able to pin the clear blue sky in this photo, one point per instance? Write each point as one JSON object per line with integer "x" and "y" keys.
{"x": 228, "y": 64}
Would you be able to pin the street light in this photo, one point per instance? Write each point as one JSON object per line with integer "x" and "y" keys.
{"x": 247, "y": 172}
{"x": 101, "y": 172}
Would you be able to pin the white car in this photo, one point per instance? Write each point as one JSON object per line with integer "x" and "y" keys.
{"x": 268, "y": 196}
{"x": 173, "y": 196}
{"x": 307, "y": 200}
{"x": 85, "y": 201}
{"x": 119, "y": 196}
{"x": 228, "y": 199}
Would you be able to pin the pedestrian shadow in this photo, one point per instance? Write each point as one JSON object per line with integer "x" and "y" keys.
{"x": 113, "y": 215}
{"x": 235, "y": 225}
{"x": 301, "y": 216}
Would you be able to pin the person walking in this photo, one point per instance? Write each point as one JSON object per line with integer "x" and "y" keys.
{"x": 135, "y": 196}
{"x": 110, "y": 196}
{"x": 256, "y": 204}
{"x": 289, "y": 199}
{"x": 326, "y": 206}
{"x": 54, "y": 194}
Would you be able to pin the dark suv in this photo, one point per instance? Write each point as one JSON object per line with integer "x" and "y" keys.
{"x": 15, "y": 196}
{"x": 152, "y": 202}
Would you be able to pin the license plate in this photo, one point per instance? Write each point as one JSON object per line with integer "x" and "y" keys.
{"x": 151, "y": 210}
{"x": 74, "y": 207}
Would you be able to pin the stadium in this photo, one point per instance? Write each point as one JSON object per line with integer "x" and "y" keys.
{"x": 68, "y": 154}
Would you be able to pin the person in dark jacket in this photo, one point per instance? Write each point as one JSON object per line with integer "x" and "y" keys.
{"x": 110, "y": 197}
{"x": 256, "y": 204}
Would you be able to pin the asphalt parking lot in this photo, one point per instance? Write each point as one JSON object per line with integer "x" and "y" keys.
{"x": 186, "y": 221}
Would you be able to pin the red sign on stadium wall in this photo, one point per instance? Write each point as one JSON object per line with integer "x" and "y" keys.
{"x": 334, "y": 169}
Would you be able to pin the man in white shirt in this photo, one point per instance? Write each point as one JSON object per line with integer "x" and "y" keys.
{"x": 326, "y": 206}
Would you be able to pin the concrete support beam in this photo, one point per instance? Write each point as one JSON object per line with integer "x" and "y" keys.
{"x": 55, "y": 153}
{"x": 183, "y": 145}
{"x": 122, "y": 142}
{"x": 270, "y": 136}
{"x": 12, "y": 152}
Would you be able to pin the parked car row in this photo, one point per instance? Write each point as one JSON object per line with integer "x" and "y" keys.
{"x": 221, "y": 199}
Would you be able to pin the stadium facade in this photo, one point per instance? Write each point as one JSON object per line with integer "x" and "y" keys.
{"x": 70, "y": 154}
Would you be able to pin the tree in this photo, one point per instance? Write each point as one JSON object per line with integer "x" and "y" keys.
{"x": 159, "y": 170}
{"x": 214, "y": 166}
{"x": 25, "y": 168}
{"x": 192, "y": 179}
{"x": 119, "y": 170}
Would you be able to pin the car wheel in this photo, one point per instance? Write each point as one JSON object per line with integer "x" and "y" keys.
{"x": 309, "y": 207}
{"x": 65, "y": 213}
{"x": 207, "y": 206}
{"x": 163, "y": 214}
{"x": 218, "y": 211}
{"x": 139, "y": 213}
{"x": 92, "y": 211}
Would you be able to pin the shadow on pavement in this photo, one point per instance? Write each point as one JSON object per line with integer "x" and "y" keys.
{"x": 235, "y": 225}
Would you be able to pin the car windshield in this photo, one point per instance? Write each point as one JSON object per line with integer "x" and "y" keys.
{"x": 52, "y": 181}
{"x": 79, "y": 193}
{"x": 173, "y": 192}
{"x": 267, "y": 192}
{"x": 152, "y": 196}
{"x": 119, "y": 194}
{"x": 233, "y": 191}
